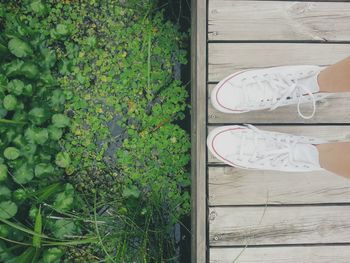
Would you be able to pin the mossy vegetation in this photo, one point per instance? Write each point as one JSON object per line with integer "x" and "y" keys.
{"x": 93, "y": 164}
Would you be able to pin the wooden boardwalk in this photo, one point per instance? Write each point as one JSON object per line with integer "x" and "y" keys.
{"x": 261, "y": 216}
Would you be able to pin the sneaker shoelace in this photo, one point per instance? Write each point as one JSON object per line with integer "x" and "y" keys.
{"x": 282, "y": 155}
{"x": 270, "y": 86}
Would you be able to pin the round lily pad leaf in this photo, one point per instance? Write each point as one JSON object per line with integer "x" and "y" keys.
{"x": 62, "y": 159}
{"x": 43, "y": 169}
{"x": 55, "y": 133}
{"x": 11, "y": 153}
{"x": 60, "y": 120}
{"x": 30, "y": 70}
{"x": 19, "y": 48}
{"x": 10, "y": 102}
{"x": 7, "y": 209}
{"x": 23, "y": 174}
{"x": 15, "y": 86}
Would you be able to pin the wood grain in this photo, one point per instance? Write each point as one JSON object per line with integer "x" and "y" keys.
{"x": 227, "y": 58}
{"x": 333, "y": 109}
{"x": 232, "y": 186}
{"x": 332, "y": 133}
{"x": 305, "y": 254}
{"x": 279, "y": 225}
{"x": 198, "y": 131}
{"x": 278, "y": 20}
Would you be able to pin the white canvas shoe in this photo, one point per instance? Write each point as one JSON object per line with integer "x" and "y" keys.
{"x": 251, "y": 148}
{"x": 268, "y": 88}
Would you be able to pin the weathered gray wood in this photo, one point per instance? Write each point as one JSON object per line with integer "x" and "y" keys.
{"x": 279, "y": 225}
{"x": 305, "y": 254}
{"x": 278, "y": 20}
{"x": 333, "y": 109}
{"x": 232, "y": 186}
{"x": 226, "y": 58}
{"x": 198, "y": 131}
{"x": 331, "y": 133}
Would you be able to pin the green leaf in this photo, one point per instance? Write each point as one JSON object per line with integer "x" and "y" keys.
{"x": 62, "y": 228}
{"x": 37, "y": 229}
{"x": 62, "y": 159}
{"x": 60, "y": 120}
{"x": 13, "y": 68}
{"x": 3, "y": 172}
{"x": 55, "y": 133}
{"x": 62, "y": 30}
{"x": 32, "y": 135}
{"x": 7, "y": 209}
{"x": 19, "y": 48}
{"x": 41, "y": 136}
{"x": 10, "y": 102}
{"x": 11, "y": 153}
{"x": 57, "y": 99}
{"x": 29, "y": 70}
{"x": 64, "y": 200}
{"x": 43, "y": 169}
{"x": 5, "y": 193}
{"x": 49, "y": 58}
{"x": 28, "y": 90}
{"x": 131, "y": 191}
{"x": 38, "y": 116}
{"x": 15, "y": 86}
{"x": 38, "y": 7}
{"x": 23, "y": 174}
{"x": 47, "y": 78}
{"x": 65, "y": 66}
{"x": 52, "y": 255}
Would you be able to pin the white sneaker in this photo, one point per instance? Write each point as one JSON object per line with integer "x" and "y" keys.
{"x": 250, "y": 148}
{"x": 268, "y": 88}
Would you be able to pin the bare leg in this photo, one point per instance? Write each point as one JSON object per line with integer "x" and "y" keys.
{"x": 335, "y": 157}
{"x": 335, "y": 78}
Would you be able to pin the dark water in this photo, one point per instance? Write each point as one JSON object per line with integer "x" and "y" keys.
{"x": 179, "y": 12}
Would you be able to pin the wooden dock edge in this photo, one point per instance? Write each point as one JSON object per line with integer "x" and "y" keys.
{"x": 198, "y": 131}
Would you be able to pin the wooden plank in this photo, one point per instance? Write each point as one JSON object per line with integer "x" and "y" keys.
{"x": 333, "y": 133}
{"x": 226, "y": 58}
{"x": 289, "y": 114}
{"x": 307, "y": 254}
{"x": 198, "y": 131}
{"x": 278, "y": 20}
{"x": 237, "y": 226}
{"x": 231, "y": 186}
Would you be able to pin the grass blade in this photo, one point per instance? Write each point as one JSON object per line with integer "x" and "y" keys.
{"x": 37, "y": 229}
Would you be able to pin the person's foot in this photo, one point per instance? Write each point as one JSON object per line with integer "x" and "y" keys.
{"x": 268, "y": 88}
{"x": 250, "y": 148}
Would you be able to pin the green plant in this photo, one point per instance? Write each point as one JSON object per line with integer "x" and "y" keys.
{"x": 31, "y": 157}
{"x": 96, "y": 113}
